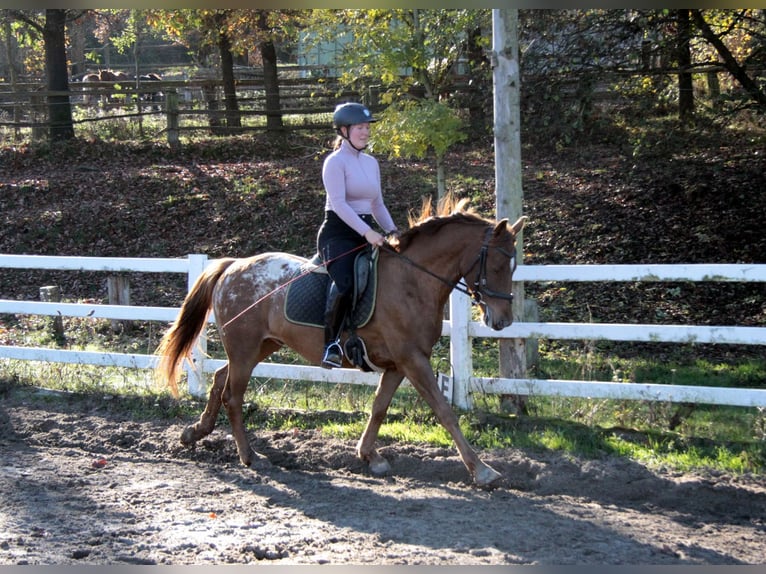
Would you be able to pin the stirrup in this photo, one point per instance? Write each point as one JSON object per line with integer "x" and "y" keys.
{"x": 333, "y": 356}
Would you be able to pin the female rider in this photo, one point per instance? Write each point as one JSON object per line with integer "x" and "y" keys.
{"x": 354, "y": 200}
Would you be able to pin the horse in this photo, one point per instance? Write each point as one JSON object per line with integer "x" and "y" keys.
{"x": 152, "y": 96}
{"x": 119, "y": 80}
{"x": 117, "y": 77}
{"x": 416, "y": 275}
{"x": 88, "y": 97}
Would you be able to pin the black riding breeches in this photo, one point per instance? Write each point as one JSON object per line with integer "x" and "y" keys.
{"x": 337, "y": 243}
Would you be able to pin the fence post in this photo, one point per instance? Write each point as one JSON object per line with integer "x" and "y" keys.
{"x": 460, "y": 349}
{"x": 195, "y": 374}
{"x": 52, "y": 293}
{"x": 118, "y": 289}
{"x": 171, "y": 105}
{"x": 38, "y": 116}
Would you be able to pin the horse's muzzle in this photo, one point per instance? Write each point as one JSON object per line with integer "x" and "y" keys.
{"x": 496, "y": 322}
{"x": 502, "y": 324}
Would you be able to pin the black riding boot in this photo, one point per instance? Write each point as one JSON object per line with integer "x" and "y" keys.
{"x": 335, "y": 313}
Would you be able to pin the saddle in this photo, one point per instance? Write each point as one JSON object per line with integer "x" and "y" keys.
{"x": 307, "y": 295}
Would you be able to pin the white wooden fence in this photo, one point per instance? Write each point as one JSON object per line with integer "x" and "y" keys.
{"x": 460, "y": 329}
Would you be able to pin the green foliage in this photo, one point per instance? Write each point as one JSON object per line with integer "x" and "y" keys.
{"x": 395, "y": 48}
{"x": 410, "y": 129}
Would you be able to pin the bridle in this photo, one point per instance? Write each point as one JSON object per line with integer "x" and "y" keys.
{"x": 480, "y": 287}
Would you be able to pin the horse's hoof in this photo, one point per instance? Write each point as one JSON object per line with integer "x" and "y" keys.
{"x": 252, "y": 457}
{"x": 379, "y": 466}
{"x": 246, "y": 460}
{"x": 187, "y": 437}
{"x": 485, "y": 475}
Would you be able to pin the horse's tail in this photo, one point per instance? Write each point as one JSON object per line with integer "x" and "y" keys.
{"x": 177, "y": 343}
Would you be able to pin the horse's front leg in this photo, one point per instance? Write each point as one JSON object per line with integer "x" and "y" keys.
{"x": 421, "y": 375}
{"x": 204, "y": 426}
{"x": 365, "y": 448}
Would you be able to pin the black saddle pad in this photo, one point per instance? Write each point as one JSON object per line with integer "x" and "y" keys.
{"x": 307, "y": 295}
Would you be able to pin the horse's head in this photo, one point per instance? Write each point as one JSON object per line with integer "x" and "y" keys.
{"x": 490, "y": 277}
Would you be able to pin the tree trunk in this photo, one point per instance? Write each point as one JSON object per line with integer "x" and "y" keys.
{"x": 479, "y": 67}
{"x": 210, "y": 95}
{"x": 441, "y": 180}
{"x": 729, "y": 61}
{"x": 59, "y": 107}
{"x": 12, "y": 73}
{"x": 233, "y": 117}
{"x": 77, "y": 49}
{"x": 271, "y": 86}
{"x": 684, "y": 61}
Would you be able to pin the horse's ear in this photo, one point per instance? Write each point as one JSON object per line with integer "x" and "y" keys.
{"x": 515, "y": 228}
{"x": 519, "y": 225}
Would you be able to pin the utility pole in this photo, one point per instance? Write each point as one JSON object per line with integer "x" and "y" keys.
{"x": 508, "y": 187}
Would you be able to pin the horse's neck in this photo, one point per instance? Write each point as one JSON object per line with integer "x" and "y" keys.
{"x": 445, "y": 254}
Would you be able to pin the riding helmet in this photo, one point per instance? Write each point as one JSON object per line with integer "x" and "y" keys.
{"x": 351, "y": 113}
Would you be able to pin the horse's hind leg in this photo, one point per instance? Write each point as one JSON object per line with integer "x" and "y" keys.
{"x": 204, "y": 426}
{"x": 365, "y": 448}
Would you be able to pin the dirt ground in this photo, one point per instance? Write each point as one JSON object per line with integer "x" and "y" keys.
{"x": 83, "y": 483}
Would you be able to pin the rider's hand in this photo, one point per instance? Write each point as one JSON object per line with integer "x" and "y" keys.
{"x": 374, "y": 238}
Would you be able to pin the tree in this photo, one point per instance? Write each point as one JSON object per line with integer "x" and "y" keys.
{"x": 52, "y": 29}
{"x": 696, "y": 39}
{"x": 730, "y": 62}
{"x": 203, "y": 29}
{"x": 412, "y": 55}
{"x": 258, "y": 31}
{"x": 12, "y": 72}
{"x": 684, "y": 60}
{"x": 267, "y": 22}
{"x": 234, "y": 32}
{"x": 59, "y": 106}
{"x": 564, "y": 55}
{"x": 224, "y": 43}
{"x": 127, "y": 30}
{"x": 412, "y": 128}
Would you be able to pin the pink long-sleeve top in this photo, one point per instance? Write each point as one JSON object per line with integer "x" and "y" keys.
{"x": 352, "y": 182}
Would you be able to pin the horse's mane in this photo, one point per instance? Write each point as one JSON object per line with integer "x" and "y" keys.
{"x": 430, "y": 219}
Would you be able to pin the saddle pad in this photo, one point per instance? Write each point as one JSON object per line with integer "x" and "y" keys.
{"x": 307, "y": 297}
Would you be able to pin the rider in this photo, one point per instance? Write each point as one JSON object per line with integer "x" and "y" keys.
{"x": 351, "y": 180}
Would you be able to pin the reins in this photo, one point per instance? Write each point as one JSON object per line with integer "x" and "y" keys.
{"x": 451, "y": 284}
{"x": 480, "y": 285}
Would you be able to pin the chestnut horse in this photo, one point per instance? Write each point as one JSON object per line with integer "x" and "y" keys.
{"x": 415, "y": 279}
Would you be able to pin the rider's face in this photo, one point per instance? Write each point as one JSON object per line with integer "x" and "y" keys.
{"x": 359, "y": 135}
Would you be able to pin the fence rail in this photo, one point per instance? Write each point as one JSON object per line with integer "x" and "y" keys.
{"x": 459, "y": 328}
{"x": 199, "y": 100}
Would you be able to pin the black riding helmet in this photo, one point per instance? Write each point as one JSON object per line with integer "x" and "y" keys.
{"x": 351, "y": 113}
